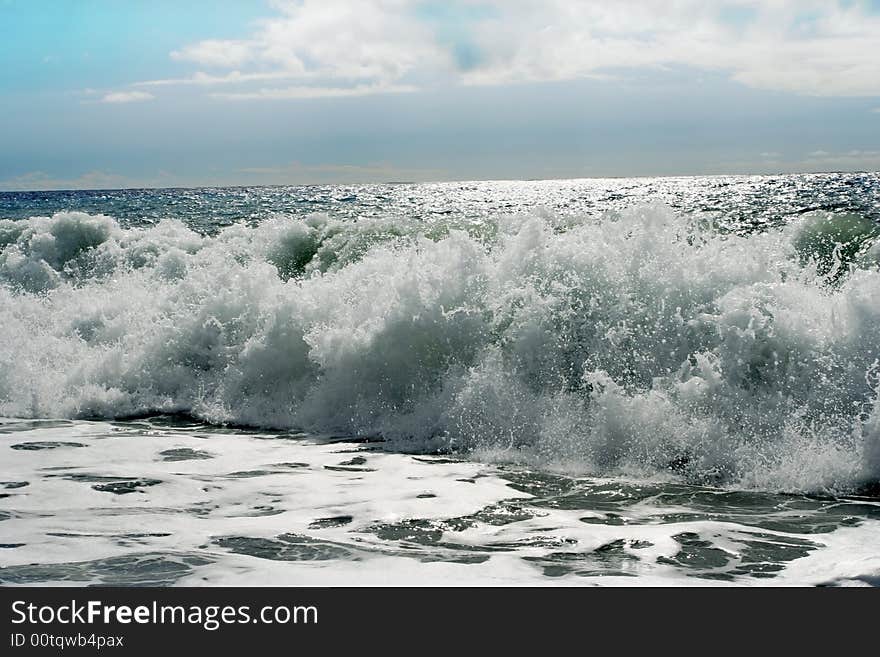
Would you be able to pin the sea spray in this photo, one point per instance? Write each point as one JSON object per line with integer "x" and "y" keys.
{"x": 643, "y": 342}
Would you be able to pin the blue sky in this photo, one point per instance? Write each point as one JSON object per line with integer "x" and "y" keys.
{"x": 104, "y": 93}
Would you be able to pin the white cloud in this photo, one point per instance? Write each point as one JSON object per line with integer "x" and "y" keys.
{"x": 222, "y": 54}
{"x": 127, "y": 97}
{"x": 367, "y": 39}
{"x": 315, "y": 92}
{"x": 810, "y": 47}
{"x": 206, "y": 79}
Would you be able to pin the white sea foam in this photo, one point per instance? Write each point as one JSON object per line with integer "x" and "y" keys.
{"x": 167, "y": 501}
{"x": 643, "y": 343}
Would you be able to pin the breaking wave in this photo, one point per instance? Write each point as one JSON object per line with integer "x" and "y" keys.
{"x": 643, "y": 343}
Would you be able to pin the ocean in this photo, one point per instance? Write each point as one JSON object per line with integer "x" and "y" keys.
{"x": 632, "y": 381}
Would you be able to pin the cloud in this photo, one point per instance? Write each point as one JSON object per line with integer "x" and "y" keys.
{"x": 213, "y": 52}
{"x": 328, "y": 48}
{"x": 127, "y": 97}
{"x": 315, "y": 92}
{"x": 809, "y": 47}
{"x": 332, "y": 39}
{"x": 206, "y": 79}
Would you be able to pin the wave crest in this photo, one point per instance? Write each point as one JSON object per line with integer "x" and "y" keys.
{"x": 643, "y": 343}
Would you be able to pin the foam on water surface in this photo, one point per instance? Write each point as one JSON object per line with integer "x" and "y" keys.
{"x": 277, "y": 508}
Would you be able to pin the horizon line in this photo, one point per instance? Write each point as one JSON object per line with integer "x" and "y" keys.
{"x": 431, "y": 182}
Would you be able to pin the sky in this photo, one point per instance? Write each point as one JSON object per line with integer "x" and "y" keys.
{"x": 161, "y": 93}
